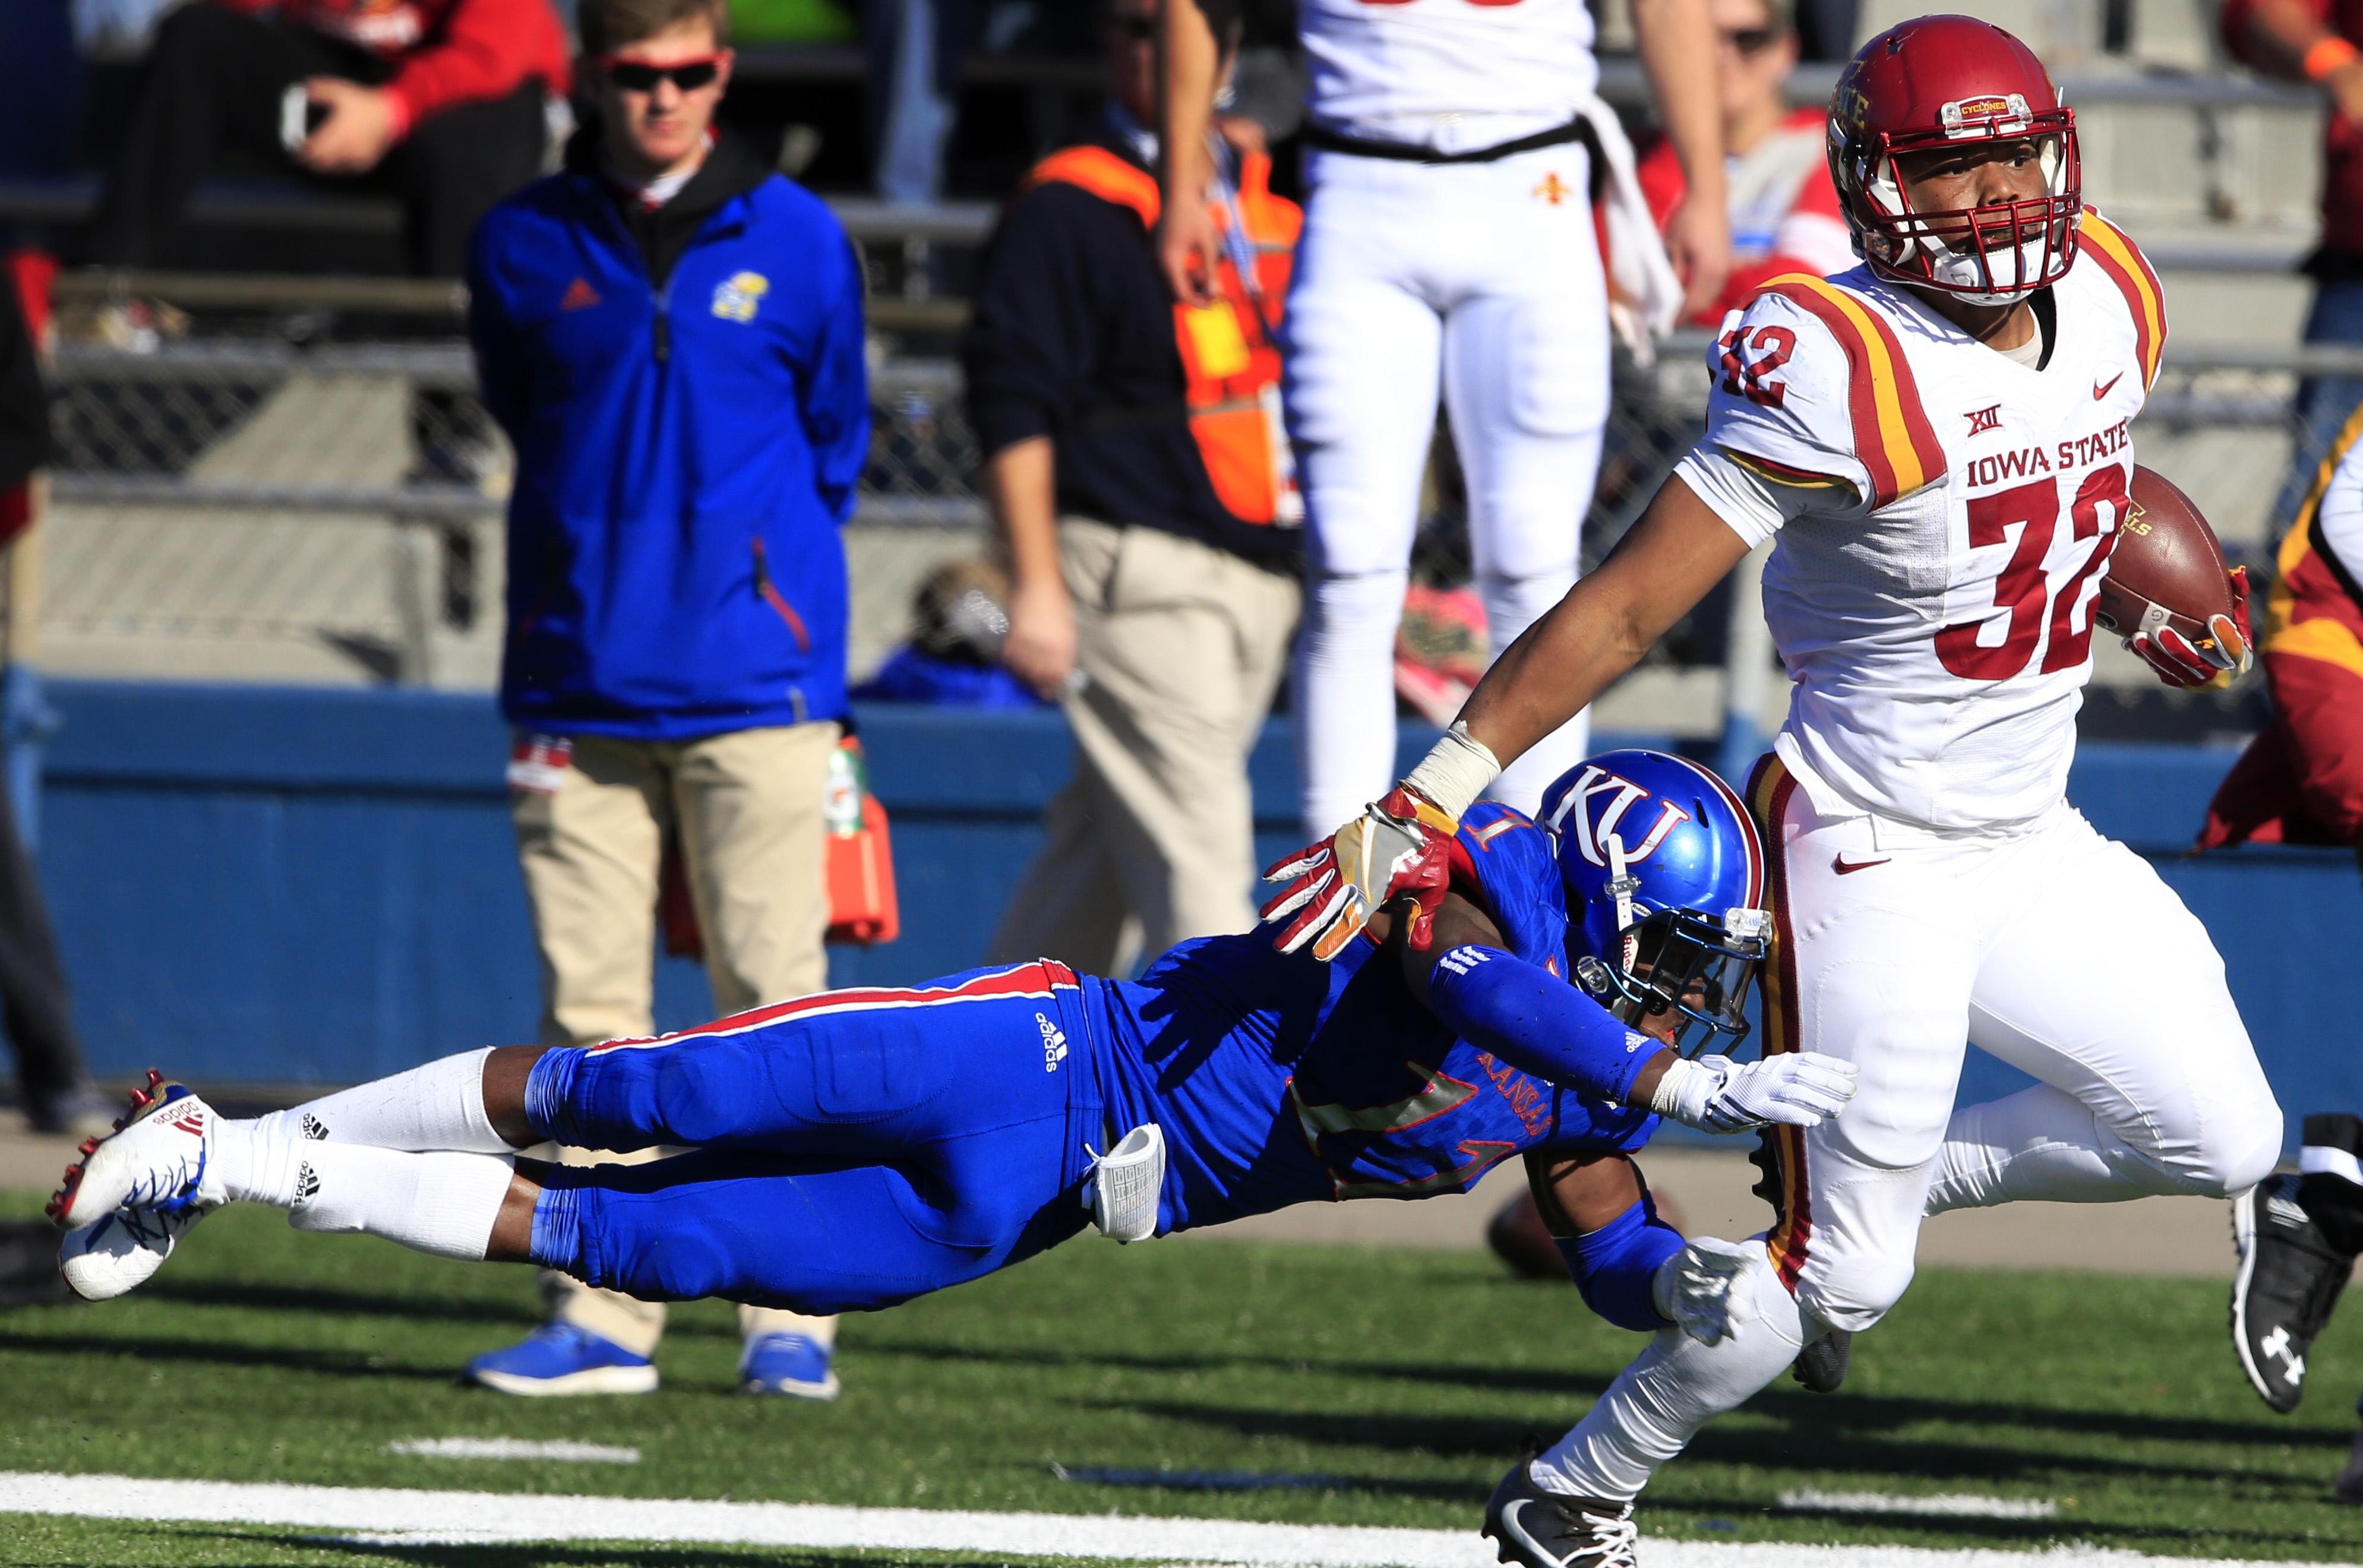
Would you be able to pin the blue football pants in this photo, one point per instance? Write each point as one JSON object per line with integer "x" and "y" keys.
{"x": 849, "y": 1150}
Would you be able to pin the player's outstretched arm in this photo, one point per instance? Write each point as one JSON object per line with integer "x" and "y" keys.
{"x": 1395, "y": 849}
{"x": 1632, "y": 1268}
{"x": 1661, "y": 569}
{"x": 1539, "y": 1024}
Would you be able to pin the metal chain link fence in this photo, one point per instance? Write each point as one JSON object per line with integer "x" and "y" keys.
{"x": 248, "y": 502}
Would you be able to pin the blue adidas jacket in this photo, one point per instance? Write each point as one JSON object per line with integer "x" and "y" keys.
{"x": 687, "y": 447}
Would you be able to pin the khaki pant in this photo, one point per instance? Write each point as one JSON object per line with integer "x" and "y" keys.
{"x": 1153, "y": 842}
{"x": 748, "y": 805}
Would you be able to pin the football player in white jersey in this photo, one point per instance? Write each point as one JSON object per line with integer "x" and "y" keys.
{"x": 1938, "y": 441}
{"x": 1457, "y": 151}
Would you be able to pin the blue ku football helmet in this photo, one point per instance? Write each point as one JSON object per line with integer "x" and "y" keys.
{"x": 1664, "y": 875}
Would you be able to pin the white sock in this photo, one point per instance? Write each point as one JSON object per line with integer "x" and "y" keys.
{"x": 1344, "y": 696}
{"x": 438, "y": 1106}
{"x": 1671, "y": 1389}
{"x": 2040, "y": 1145}
{"x": 440, "y": 1203}
{"x": 255, "y": 1161}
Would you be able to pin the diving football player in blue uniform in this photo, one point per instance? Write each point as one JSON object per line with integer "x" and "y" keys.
{"x": 851, "y": 1150}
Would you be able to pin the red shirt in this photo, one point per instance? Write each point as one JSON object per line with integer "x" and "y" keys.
{"x": 2342, "y": 138}
{"x": 448, "y": 51}
{"x": 1784, "y": 211}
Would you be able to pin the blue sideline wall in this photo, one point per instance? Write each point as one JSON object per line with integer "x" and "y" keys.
{"x": 298, "y": 885}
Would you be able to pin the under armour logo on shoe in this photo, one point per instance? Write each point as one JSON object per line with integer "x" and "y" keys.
{"x": 2276, "y": 1343}
{"x": 307, "y": 1183}
{"x": 313, "y": 1129}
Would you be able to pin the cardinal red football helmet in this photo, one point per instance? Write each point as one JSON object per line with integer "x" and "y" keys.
{"x": 1936, "y": 81}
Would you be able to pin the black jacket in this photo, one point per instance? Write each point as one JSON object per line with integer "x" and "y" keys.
{"x": 1072, "y": 338}
{"x": 23, "y": 402}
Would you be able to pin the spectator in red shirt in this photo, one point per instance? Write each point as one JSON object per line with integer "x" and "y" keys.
{"x": 2315, "y": 40}
{"x": 1784, "y": 211}
{"x": 439, "y": 101}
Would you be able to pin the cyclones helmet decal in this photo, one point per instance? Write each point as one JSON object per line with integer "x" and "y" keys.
{"x": 1939, "y": 81}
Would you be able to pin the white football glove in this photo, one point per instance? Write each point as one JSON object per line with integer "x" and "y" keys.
{"x": 1715, "y": 1094}
{"x": 1700, "y": 1287}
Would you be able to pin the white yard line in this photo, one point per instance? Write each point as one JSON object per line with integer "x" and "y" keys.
{"x": 418, "y": 1517}
{"x": 1939, "y": 1504}
{"x": 514, "y": 1447}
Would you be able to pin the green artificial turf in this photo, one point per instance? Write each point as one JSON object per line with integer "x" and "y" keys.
{"x": 1404, "y": 1379}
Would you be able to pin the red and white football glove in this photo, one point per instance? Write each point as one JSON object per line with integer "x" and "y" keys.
{"x": 1398, "y": 847}
{"x": 2182, "y": 663}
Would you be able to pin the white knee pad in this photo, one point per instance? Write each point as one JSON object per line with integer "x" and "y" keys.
{"x": 2238, "y": 1152}
{"x": 1514, "y": 603}
{"x": 1854, "y": 1293}
{"x": 1345, "y": 695}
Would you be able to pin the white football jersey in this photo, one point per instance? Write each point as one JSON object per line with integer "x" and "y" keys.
{"x": 1944, "y": 516}
{"x": 1455, "y": 76}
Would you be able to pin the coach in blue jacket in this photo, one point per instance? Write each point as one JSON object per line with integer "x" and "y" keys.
{"x": 672, "y": 336}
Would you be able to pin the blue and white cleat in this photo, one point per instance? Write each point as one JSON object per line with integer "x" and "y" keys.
{"x": 794, "y": 1365}
{"x": 156, "y": 1161}
{"x": 121, "y": 1251}
{"x": 562, "y": 1358}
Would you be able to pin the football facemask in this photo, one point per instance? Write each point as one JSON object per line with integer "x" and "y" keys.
{"x": 1664, "y": 877}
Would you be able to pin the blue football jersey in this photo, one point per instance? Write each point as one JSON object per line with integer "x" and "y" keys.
{"x": 1279, "y": 1078}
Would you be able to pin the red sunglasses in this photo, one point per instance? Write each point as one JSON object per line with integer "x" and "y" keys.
{"x": 639, "y": 76}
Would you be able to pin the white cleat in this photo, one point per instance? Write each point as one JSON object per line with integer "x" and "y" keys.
{"x": 156, "y": 1160}
{"x": 1126, "y": 1183}
{"x": 117, "y": 1253}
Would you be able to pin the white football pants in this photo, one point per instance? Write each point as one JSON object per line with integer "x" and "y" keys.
{"x": 2058, "y": 951}
{"x": 1487, "y": 275}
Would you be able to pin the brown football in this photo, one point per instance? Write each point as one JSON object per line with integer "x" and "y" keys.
{"x": 2167, "y": 569}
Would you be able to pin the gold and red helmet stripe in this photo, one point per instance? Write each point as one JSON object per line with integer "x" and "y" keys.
{"x": 1892, "y": 437}
{"x": 2122, "y": 260}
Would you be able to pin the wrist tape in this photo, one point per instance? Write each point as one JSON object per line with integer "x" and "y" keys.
{"x": 1456, "y": 770}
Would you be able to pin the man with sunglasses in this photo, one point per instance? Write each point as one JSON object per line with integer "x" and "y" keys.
{"x": 440, "y": 101}
{"x": 672, "y": 334}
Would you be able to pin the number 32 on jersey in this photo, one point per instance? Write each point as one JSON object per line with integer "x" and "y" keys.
{"x": 2029, "y": 605}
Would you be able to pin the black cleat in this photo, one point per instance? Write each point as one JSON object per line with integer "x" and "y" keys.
{"x": 1821, "y": 1367}
{"x": 2289, "y": 1279}
{"x": 1535, "y": 1528}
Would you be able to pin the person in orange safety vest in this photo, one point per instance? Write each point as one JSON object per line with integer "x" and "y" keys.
{"x": 1141, "y": 486}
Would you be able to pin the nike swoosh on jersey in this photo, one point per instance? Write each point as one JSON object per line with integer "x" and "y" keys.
{"x": 2101, "y": 388}
{"x": 1838, "y": 863}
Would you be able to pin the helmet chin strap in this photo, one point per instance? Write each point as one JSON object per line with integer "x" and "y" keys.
{"x": 1623, "y": 887}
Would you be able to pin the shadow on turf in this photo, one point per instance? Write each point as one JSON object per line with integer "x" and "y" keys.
{"x": 218, "y": 1353}
{"x": 1848, "y": 1420}
{"x": 553, "y": 1555}
{"x": 336, "y": 1302}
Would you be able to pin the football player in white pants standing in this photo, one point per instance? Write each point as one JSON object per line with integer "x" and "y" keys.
{"x": 1938, "y": 441}
{"x": 1449, "y": 236}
